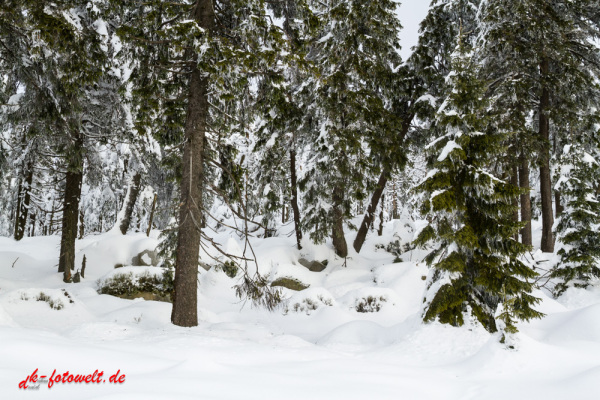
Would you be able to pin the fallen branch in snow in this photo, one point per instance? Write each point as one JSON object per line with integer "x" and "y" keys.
{"x": 13, "y": 264}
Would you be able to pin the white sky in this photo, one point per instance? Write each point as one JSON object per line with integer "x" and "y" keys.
{"x": 411, "y": 13}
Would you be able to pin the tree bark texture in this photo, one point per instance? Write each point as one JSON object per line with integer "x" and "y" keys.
{"x": 526, "y": 236}
{"x": 295, "y": 209}
{"x": 23, "y": 201}
{"x": 132, "y": 196}
{"x": 547, "y": 244}
{"x": 66, "y": 261}
{"x": 514, "y": 180}
{"x": 369, "y": 217}
{"x": 185, "y": 301}
{"x": 558, "y": 203}
{"x": 151, "y": 219}
{"x": 339, "y": 240}
{"x": 380, "y": 230}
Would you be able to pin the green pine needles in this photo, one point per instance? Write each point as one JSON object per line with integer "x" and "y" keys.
{"x": 578, "y": 228}
{"x": 476, "y": 260}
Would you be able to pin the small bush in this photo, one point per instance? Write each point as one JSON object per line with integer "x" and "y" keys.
{"x": 397, "y": 249}
{"x": 54, "y": 304}
{"x": 308, "y": 305}
{"x": 370, "y": 304}
{"x": 230, "y": 268}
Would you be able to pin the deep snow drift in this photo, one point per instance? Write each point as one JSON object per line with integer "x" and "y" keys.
{"x": 317, "y": 346}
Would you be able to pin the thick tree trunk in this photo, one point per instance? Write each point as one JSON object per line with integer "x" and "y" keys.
{"x": 339, "y": 240}
{"x": 185, "y": 299}
{"x": 132, "y": 195}
{"x": 295, "y": 209}
{"x": 514, "y": 180}
{"x": 526, "y": 237}
{"x": 66, "y": 261}
{"x": 547, "y": 244}
{"x": 367, "y": 221}
{"x": 23, "y": 200}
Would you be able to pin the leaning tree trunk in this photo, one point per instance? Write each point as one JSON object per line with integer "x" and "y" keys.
{"x": 370, "y": 215}
{"x": 526, "y": 236}
{"x": 23, "y": 201}
{"x": 367, "y": 221}
{"x": 294, "y": 201}
{"x": 133, "y": 192}
{"x": 380, "y": 230}
{"x": 185, "y": 299}
{"x": 66, "y": 261}
{"x": 547, "y": 244}
{"x": 339, "y": 240}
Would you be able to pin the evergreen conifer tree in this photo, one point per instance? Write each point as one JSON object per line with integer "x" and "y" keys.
{"x": 191, "y": 67}
{"x": 578, "y": 228}
{"x": 356, "y": 53}
{"x": 476, "y": 261}
{"x": 543, "y": 67}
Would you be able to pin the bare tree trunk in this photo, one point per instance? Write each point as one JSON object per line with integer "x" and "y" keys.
{"x": 558, "y": 203}
{"x": 32, "y": 232}
{"x": 367, "y": 221}
{"x": 514, "y": 180}
{"x": 133, "y": 192}
{"x": 547, "y": 244}
{"x": 151, "y": 219}
{"x": 185, "y": 299}
{"x": 339, "y": 240}
{"x": 66, "y": 261}
{"x": 51, "y": 225}
{"x": 526, "y": 236}
{"x": 394, "y": 201}
{"x": 23, "y": 201}
{"x": 81, "y": 224}
{"x": 295, "y": 209}
{"x": 45, "y": 226}
{"x": 380, "y": 230}
{"x": 18, "y": 235}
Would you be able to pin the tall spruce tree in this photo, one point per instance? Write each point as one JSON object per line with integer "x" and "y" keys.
{"x": 356, "y": 53}
{"x": 543, "y": 67}
{"x": 281, "y": 132}
{"x": 191, "y": 63}
{"x": 419, "y": 86}
{"x": 60, "y": 64}
{"x": 476, "y": 261}
{"x": 578, "y": 228}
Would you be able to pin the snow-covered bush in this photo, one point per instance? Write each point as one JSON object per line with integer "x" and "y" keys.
{"x": 309, "y": 301}
{"x": 370, "y": 304}
{"x": 157, "y": 286}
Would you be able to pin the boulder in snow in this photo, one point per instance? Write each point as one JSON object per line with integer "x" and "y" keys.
{"x": 145, "y": 259}
{"x": 290, "y": 283}
{"x": 313, "y": 266}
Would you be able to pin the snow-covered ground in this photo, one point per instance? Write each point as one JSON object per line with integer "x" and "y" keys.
{"x": 318, "y": 346}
